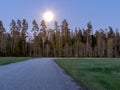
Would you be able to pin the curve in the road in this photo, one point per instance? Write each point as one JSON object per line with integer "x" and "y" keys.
{"x": 35, "y": 74}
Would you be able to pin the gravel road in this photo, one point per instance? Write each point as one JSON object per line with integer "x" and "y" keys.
{"x": 35, "y": 74}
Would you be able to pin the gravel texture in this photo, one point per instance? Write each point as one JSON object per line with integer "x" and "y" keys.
{"x": 35, "y": 74}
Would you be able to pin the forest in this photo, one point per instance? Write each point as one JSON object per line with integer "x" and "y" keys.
{"x": 60, "y": 41}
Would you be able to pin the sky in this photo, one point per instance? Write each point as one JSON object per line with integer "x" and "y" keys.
{"x": 102, "y": 13}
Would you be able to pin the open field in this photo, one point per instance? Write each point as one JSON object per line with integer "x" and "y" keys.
{"x": 94, "y": 73}
{"x": 8, "y": 60}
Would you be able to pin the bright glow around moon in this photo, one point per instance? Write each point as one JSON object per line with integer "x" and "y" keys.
{"x": 48, "y": 16}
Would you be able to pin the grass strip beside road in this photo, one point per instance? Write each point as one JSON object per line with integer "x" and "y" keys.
{"x": 8, "y": 60}
{"x": 94, "y": 74}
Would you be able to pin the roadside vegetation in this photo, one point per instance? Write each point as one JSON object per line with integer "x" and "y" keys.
{"x": 8, "y": 60}
{"x": 93, "y": 74}
{"x": 60, "y": 41}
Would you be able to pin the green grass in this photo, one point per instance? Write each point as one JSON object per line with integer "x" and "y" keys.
{"x": 8, "y": 60}
{"x": 94, "y": 74}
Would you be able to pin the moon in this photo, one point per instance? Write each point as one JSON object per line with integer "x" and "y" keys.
{"x": 48, "y": 16}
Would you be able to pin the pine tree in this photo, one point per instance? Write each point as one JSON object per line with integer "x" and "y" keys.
{"x": 35, "y": 31}
{"x": 110, "y": 42}
{"x": 44, "y": 35}
{"x": 58, "y": 39}
{"x": 65, "y": 38}
{"x": 2, "y": 31}
{"x": 88, "y": 43}
{"x": 24, "y": 36}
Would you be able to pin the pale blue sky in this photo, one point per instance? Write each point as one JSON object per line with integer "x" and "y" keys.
{"x": 102, "y": 13}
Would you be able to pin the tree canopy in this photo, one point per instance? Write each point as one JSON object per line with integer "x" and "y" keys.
{"x": 60, "y": 41}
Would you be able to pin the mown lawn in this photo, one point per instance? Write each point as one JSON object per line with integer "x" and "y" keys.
{"x": 94, "y": 74}
{"x": 8, "y": 60}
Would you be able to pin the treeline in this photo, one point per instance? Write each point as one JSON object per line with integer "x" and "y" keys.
{"x": 60, "y": 41}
